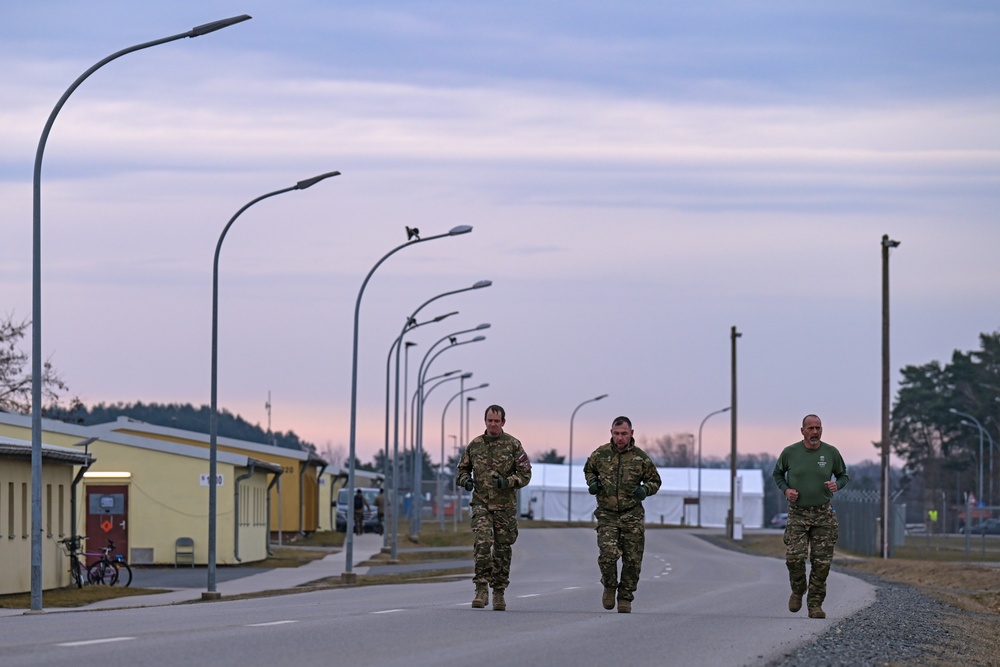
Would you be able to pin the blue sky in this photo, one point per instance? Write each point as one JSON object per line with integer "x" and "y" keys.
{"x": 639, "y": 179}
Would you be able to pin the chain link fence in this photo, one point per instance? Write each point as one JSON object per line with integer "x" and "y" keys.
{"x": 859, "y": 513}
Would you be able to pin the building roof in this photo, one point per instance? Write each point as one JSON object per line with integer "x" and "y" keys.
{"x": 14, "y": 448}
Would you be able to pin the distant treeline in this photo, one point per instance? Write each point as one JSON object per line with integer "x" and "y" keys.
{"x": 185, "y": 417}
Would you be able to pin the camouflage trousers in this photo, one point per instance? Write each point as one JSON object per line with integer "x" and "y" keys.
{"x": 621, "y": 536}
{"x": 495, "y": 531}
{"x": 810, "y": 533}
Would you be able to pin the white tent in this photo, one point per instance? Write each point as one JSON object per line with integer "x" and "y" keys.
{"x": 550, "y": 490}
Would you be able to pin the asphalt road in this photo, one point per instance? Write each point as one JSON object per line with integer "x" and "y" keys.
{"x": 696, "y": 605}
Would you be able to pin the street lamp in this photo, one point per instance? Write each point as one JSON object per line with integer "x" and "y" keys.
{"x": 440, "y": 489}
{"x": 412, "y": 239}
{"x": 213, "y": 415}
{"x": 468, "y": 420}
{"x": 886, "y": 499}
{"x": 710, "y": 414}
{"x": 411, "y": 323}
{"x": 36, "y": 298}
{"x": 418, "y": 416}
{"x": 569, "y": 488}
{"x": 984, "y": 431}
{"x": 981, "y": 431}
{"x": 395, "y": 456}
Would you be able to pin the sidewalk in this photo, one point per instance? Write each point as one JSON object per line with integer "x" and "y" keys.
{"x": 230, "y": 581}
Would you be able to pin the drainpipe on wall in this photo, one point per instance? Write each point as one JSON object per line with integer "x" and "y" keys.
{"x": 267, "y": 532}
{"x": 72, "y": 495}
{"x": 236, "y": 510}
{"x": 302, "y": 497}
{"x": 319, "y": 478}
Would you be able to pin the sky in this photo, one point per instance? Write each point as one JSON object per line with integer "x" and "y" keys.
{"x": 640, "y": 178}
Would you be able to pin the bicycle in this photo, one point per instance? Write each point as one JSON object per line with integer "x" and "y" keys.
{"x": 72, "y": 546}
{"x": 110, "y": 570}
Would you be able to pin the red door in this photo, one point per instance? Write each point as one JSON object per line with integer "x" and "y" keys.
{"x": 107, "y": 518}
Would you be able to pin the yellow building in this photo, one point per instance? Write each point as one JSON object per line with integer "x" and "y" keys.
{"x": 15, "y": 513}
{"x": 294, "y": 500}
{"x": 144, "y": 493}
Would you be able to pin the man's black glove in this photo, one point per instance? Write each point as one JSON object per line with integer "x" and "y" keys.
{"x": 640, "y": 492}
{"x": 594, "y": 487}
{"x": 469, "y": 484}
{"x": 501, "y": 482}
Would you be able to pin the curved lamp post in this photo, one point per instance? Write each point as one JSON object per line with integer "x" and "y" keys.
{"x": 395, "y": 455}
{"x": 440, "y": 489}
{"x": 569, "y": 488}
{"x": 36, "y": 298}
{"x": 985, "y": 431}
{"x": 411, "y": 324}
{"x": 411, "y": 241}
{"x": 418, "y": 444}
{"x": 213, "y": 415}
{"x": 953, "y": 411}
{"x": 710, "y": 414}
{"x": 413, "y": 434}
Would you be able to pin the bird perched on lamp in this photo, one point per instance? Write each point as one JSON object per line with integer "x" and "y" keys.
{"x": 412, "y": 233}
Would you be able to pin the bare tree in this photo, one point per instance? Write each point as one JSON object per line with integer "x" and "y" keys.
{"x": 15, "y": 381}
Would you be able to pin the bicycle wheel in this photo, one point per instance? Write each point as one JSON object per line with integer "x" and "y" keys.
{"x": 102, "y": 572}
{"x": 76, "y": 572}
{"x": 124, "y": 573}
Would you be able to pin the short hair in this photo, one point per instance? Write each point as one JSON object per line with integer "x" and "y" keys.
{"x": 622, "y": 420}
{"x": 497, "y": 409}
{"x": 808, "y": 416}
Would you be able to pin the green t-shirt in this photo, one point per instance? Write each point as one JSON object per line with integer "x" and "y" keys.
{"x": 806, "y": 471}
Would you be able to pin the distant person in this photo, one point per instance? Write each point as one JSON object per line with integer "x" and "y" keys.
{"x": 621, "y": 476}
{"x": 803, "y": 472}
{"x": 493, "y": 467}
{"x": 360, "y": 507}
{"x": 380, "y": 509}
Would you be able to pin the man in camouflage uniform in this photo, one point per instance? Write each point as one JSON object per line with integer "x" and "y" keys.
{"x": 493, "y": 466}
{"x": 803, "y": 473}
{"x": 621, "y": 476}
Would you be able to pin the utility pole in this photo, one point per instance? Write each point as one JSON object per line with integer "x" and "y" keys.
{"x": 886, "y": 496}
{"x": 733, "y": 335}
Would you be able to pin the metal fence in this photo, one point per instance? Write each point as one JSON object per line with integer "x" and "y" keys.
{"x": 859, "y": 513}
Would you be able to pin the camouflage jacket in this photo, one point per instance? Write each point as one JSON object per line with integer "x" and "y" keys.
{"x": 619, "y": 473}
{"x": 487, "y": 458}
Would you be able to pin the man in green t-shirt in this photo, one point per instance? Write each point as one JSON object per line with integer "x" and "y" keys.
{"x": 803, "y": 472}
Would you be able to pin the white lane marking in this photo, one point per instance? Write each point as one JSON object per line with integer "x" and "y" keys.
{"x": 386, "y": 611}
{"x": 571, "y": 588}
{"x": 89, "y": 642}
{"x": 529, "y": 595}
{"x": 261, "y": 625}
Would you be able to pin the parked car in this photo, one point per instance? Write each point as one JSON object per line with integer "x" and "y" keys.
{"x": 344, "y": 503}
{"x": 988, "y": 527}
{"x": 779, "y": 520}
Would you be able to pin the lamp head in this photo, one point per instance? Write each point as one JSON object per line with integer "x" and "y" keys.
{"x": 441, "y": 317}
{"x": 309, "y": 182}
{"x": 888, "y": 243}
{"x": 483, "y": 385}
{"x": 482, "y": 283}
{"x": 444, "y": 375}
{"x": 461, "y": 229}
{"x": 477, "y": 339}
{"x": 410, "y": 343}
{"x": 206, "y": 28}
{"x": 600, "y": 397}
{"x": 484, "y": 325}
{"x": 465, "y": 376}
